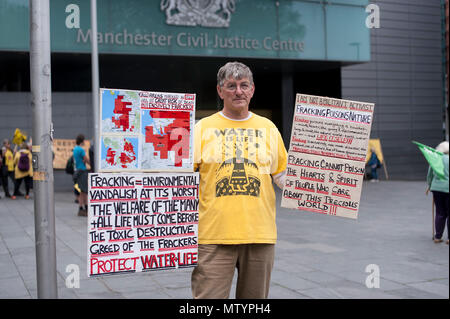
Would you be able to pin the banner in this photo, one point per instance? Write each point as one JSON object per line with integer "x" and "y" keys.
{"x": 327, "y": 153}
{"x": 434, "y": 159}
{"x": 146, "y": 131}
{"x": 142, "y": 222}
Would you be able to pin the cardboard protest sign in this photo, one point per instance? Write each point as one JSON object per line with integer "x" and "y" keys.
{"x": 327, "y": 155}
{"x": 63, "y": 150}
{"x": 142, "y": 222}
{"x": 146, "y": 131}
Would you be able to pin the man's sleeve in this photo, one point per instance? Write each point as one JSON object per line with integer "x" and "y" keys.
{"x": 279, "y": 169}
{"x": 280, "y": 159}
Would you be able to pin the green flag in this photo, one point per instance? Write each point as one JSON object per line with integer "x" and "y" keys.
{"x": 434, "y": 158}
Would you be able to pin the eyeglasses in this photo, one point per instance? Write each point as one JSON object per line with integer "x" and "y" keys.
{"x": 232, "y": 87}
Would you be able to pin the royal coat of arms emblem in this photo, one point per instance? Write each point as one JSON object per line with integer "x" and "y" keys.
{"x": 205, "y": 13}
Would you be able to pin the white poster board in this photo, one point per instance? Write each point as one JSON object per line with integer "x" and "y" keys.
{"x": 327, "y": 155}
{"x": 142, "y": 222}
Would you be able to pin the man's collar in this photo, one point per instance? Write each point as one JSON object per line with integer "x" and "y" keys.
{"x": 245, "y": 119}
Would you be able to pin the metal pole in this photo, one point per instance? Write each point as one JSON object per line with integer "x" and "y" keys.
{"x": 44, "y": 205}
{"x": 95, "y": 83}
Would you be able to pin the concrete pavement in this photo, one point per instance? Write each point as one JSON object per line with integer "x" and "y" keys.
{"x": 319, "y": 257}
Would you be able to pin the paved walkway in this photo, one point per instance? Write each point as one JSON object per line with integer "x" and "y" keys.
{"x": 316, "y": 256}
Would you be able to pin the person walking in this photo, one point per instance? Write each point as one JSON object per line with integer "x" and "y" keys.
{"x": 238, "y": 155}
{"x": 81, "y": 174}
{"x": 440, "y": 189}
{"x": 23, "y": 170}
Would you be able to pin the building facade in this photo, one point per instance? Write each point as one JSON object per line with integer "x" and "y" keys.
{"x": 386, "y": 52}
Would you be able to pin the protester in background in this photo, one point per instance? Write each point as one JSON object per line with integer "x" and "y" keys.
{"x": 440, "y": 189}
{"x": 7, "y": 167}
{"x": 23, "y": 170}
{"x": 30, "y": 144}
{"x": 237, "y": 226}
{"x": 30, "y": 148}
{"x": 374, "y": 164}
{"x": 81, "y": 174}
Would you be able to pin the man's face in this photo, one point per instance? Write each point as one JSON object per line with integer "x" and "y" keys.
{"x": 236, "y": 94}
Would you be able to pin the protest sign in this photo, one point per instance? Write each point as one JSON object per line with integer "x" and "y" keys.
{"x": 146, "y": 131}
{"x": 142, "y": 222}
{"x": 327, "y": 153}
{"x": 63, "y": 150}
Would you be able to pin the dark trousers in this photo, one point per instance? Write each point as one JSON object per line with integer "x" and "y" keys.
{"x": 28, "y": 181}
{"x": 374, "y": 173}
{"x": 442, "y": 207}
{"x": 5, "y": 176}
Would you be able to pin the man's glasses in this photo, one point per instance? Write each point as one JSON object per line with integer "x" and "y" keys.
{"x": 232, "y": 87}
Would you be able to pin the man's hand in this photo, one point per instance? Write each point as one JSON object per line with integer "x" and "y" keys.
{"x": 280, "y": 179}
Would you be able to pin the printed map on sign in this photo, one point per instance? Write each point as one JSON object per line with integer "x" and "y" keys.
{"x": 166, "y": 138}
{"x": 119, "y": 152}
{"x": 120, "y": 111}
{"x": 146, "y": 131}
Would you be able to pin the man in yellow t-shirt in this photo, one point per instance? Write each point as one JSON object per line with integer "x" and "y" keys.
{"x": 238, "y": 154}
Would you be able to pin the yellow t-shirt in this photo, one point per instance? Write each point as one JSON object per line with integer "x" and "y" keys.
{"x": 9, "y": 160}
{"x": 235, "y": 160}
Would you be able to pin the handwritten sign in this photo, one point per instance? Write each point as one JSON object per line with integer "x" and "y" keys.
{"x": 142, "y": 222}
{"x": 327, "y": 155}
{"x": 63, "y": 150}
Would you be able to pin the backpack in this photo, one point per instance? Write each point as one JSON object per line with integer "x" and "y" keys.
{"x": 70, "y": 166}
{"x": 24, "y": 162}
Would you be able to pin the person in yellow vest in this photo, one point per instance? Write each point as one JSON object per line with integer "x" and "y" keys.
{"x": 238, "y": 155}
{"x": 23, "y": 170}
{"x": 7, "y": 166}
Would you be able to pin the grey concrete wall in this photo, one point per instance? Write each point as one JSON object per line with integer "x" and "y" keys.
{"x": 71, "y": 114}
{"x": 404, "y": 80}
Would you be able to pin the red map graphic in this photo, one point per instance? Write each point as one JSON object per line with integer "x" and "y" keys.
{"x": 110, "y": 155}
{"x": 127, "y": 156}
{"x": 123, "y": 120}
{"x": 163, "y": 143}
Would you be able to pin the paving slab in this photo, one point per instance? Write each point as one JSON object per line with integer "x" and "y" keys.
{"x": 316, "y": 257}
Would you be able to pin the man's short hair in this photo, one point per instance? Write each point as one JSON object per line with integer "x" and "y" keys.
{"x": 235, "y": 70}
{"x": 80, "y": 139}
